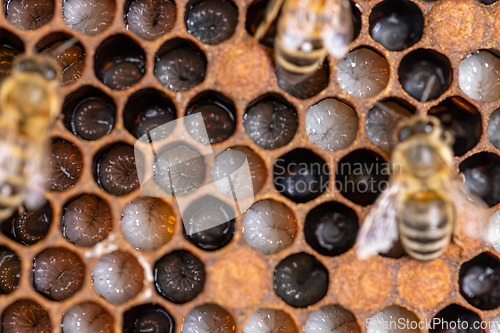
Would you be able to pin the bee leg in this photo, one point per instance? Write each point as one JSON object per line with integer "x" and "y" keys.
{"x": 20, "y": 210}
{"x": 460, "y": 245}
{"x": 272, "y": 11}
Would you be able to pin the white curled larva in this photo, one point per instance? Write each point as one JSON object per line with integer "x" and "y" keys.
{"x": 495, "y": 325}
{"x": 88, "y": 17}
{"x": 494, "y": 231}
{"x": 363, "y": 73}
{"x": 118, "y": 277}
{"x": 269, "y": 226}
{"x": 87, "y": 317}
{"x": 150, "y": 19}
{"x": 147, "y": 223}
{"x": 479, "y": 76}
{"x": 386, "y": 321}
{"x": 331, "y": 124}
{"x": 494, "y": 128}
{"x": 331, "y": 319}
{"x": 269, "y": 321}
{"x": 208, "y": 318}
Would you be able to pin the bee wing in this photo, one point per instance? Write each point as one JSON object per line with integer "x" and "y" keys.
{"x": 272, "y": 11}
{"x": 338, "y": 33}
{"x": 380, "y": 227}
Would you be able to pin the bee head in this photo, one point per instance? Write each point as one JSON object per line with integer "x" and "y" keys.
{"x": 422, "y": 126}
{"x": 37, "y": 64}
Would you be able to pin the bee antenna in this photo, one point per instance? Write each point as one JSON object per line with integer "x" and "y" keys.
{"x": 387, "y": 109}
{"x": 66, "y": 45}
{"x": 428, "y": 88}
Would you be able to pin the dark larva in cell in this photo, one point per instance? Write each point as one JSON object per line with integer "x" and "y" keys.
{"x": 211, "y": 21}
{"x": 150, "y": 19}
{"x": 26, "y": 316}
{"x": 65, "y": 166}
{"x": 29, "y": 14}
{"x": 71, "y": 61}
{"x": 88, "y": 317}
{"x": 122, "y": 75}
{"x": 415, "y": 81}
{"x": 148, "y": 318}
{"x": 31, "y": 226}
{"x": 150, "y": 119}
{"x": 10, "y": 270}
{"x": 88, "y": 17}
{"x": 117, "y": 172}
{"x": 7, "y": 55}
{"x": 181, "y": 69}
{"x": 57, "y": 273}
{"x": 93, "y": 118}
{"x": 270, "y": 124}
{"x": 219, "y": 123}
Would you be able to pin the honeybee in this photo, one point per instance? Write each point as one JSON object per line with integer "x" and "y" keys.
{"x": 307, "y": 30}
{"x": 424, "y": 197}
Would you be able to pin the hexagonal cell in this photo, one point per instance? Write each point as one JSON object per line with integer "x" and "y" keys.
{"x": 487, "y": 2}
{"x": 146, "y": 110}
{"x": 304, "y": 87}
{"x": 331, "y": 228}
{"x": 300, "y": 280}
{"x": 218, "y": 114}
{"x": 65, "y": 166}
{"x": 148, "y": 318}
{"x": 180, "y": 65}
{"x": 269, "y": 226}
{"x": 494, "y": 128}
{"x": 10, "y": 46}
{"x": 115, "y": 170}
{"x": 449, "y": 318}
{"x": 179, "y": 277}
{"x": 30, "y": 227}
{"x": 28, "y": 14}
{"x": 301, "y": 175}
{"x": 211, "y": 21}
{"x": 87, "y": 317}
{"x": 10, "y": 268}
{"x": 269, "y": 320}
{"x": 462, "y": 120}
{"x": 363, "y": 73}
{"x": 416, "y": 70}
{"x": 331, "y": 124}
{"x": 482, "y": 176}
{"x": 391, "y": 316}
{"x": 89, "y": 17}
{"x": 332, "y": 317}
{"x": 396, "y": 25}
{"x": 479, "y": 75}
{"x": 209, "y": 223}
{"x": 479, "y": 281}
{"x": 119, "y": 62}
{"x": 118, "y": 277}
{"x": 150, "y": 19}
{"x": 270, "y": 121}
{"x": 209, "y": 317}
{"x": 383, "y": 120}
{"x": 89, "y": 113}
{"x": 24, "y": 316}
{"x": 58, "y": 273}
{"x": 71, "y": 60}
{"x": 361, "y": 176}
{"x": 86, "y": 220}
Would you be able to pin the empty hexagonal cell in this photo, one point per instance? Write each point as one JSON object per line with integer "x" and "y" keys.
{"x": 148, "y": 318}
{"x": 30, "y": 227}
{"x": 89, "y": 17}
{"x": 58, "y": 273}
{"x": 494, "y": 128}
{"x": 396, "y": 25}
{"x": 150, "y": 19}
{"x": 179, "y": 276}
{"x": 269, "y": 321}
{"x": 462, "y": 120}
{"x": 363, "y": 73}
{"x": 119, "y": 62}
{"x": 25, "y": 316}
{"x": 361, "y": 176}
{"x": 70, "y": 58}
{"x": 269, "y": 226}
{"x": 390, "y": 317}
{"x": 482, "y": 176}
{"x": 300, "y": 280}
{"x": 87, "y": 317}
{"x": 10, "y": 270}
{"x": 208, "y": 318}
{"x": 304, "y": 87}
{"x": 209, "y": 223}
{"x": 218, "y": 114}
{"x": 479, "y": 75}
{"x": 118, "y": 277}
{"x": 86, "y": 220}
{"x": 331, "y": 124}
{"x": 29, "y": 14}
{"x": 301, "y": 175}
{"x": 211, "y": 21}
{"x": 180, "y": 65}
{"x": 115, "y": 170}
{"x": 270, "y": 121}
{"x": 65, "y": 165}
{"x": 448, "y": 319}
{"x": 331, "y": 228}
{"x": 333, "y": 318}
{"x": 89, "y": 113}
{"x": 146, "y": 110}
{"x": 383, "y": 120}
{"x": 10, "y": 47}
{"x": 425, "y": 74}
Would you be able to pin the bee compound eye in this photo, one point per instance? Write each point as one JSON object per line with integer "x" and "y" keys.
{"x": 48, "y": 72}
{"x": 404, "y": 133}
{"x": 429, "y": 127}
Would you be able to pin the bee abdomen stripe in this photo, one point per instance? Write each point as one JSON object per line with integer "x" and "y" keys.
{"x": 429, "y": 247}
{"x": 428, "y": 234}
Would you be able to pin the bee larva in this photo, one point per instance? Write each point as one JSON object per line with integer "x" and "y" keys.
{"x": 494, "y": 128}
{"x": 331, "y": 318}
{"x": 378, "y": 322}
{"x": 269, "y": 321}
{"x": 479, "y": 76}
{"x": 7, "y": 54}
{"x": 88, "y": 317}
{"x": 89, "y": 17}
{"x": 149, "y": 19}
{"x": 29, "y": 14}
{"x": 208, "y": 318}
{"x": 25, "y": 316}
{"x": 148, "y": 318}
{"x": 10, "y": 270}
{"x": 71, "y": 61}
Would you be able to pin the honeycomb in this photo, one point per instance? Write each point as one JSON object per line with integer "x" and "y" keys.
{"x": 238, "y": 278}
